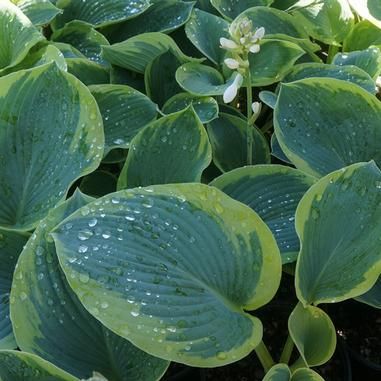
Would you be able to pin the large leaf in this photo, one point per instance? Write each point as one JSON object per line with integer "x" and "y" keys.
{"x": 368, "y": 9}
{"x": 206, "y": 108}
{"x": 227, "y": 136}
{"x": 83, "y": 37}
{"x": 324, "y": 124}
{"x": 348, "y": 73}
{"x": 273, "y": 191}
{"x": 204, "y": 30}
{"x": 328, "y": 21}
{"x": 232, "y": 8}
{"x": 98, "y": 13}
{"x": 17, "y": 35}
{"x": 138, "y": 52}
{"x": 50, "y": 134}
{"x": 161, "y": 16}
{"x": 338, "y": 222}
{"x": 125, "y": 112}
{"x": 50, "y": 321}
{"x": 11, "y": 245}
{"x": 368, "y": 60}
{"x": 174, "y": 149}
{"x": 313, "y": 333}
{"x": 373, "y": 296}
{"x": 177, "y": 265}
{"x": 21, "y": 366}
{"x": 40, "y": 12}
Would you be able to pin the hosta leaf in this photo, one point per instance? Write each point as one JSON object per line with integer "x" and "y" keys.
{"x": 279, "y": 372}
{"x": 204, "y": 30}
{"x": 161, "y": 16}
{"x": 125, "y": 112}
{"x": 17, "y": 35}
{"x": 273, "y": 61}
{"x": 328, "y": 21}
{"x": 273, "y": 20}
{"x": 138, "y": 52}
{"x": 345, "y": 73}
{"x": 50, "y": 134}
{"x": 201, "y": 80}
{"x": 227, "y": 136}
{"x": 373, "y": 296}
{"x": 268, "y": 98}
{"x": 342, "y": 127}
{"x": 99, "y": 183}
{"x": 273, "y": 191}
{"x": 313, "y": 333}
{"x": 183, "y": 263}
{"x": 21, "y": 366}
{"x": 98, "y": 12}
{"x": 305, "y": 374}
{"x": 232, "y": 8}
{"x": 335, "y": 267}
{"x": 68, "y": 50}
{"x": 160, "y": 80}
{"x": 83, "y": 37}
{"x": 120, "y": 76}
{"x": 40, "y": 54}
{"x": 11, "y": 245}
{"x": 206, "y": 108}
{"x": 363, "y": 35}
{"x": 88, "y": 72}
{"x": 174, "y": 149}
{"x": 368, "y": 9}
{"x": 40, "y": 12}
{"x": 368, "y": 60}
{"x": 50, "y": 321}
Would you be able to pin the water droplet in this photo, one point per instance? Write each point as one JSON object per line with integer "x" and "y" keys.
{"x": 84, "y": 235}
{"x": 84, "y": 277}
{"x": 93, "y": 222}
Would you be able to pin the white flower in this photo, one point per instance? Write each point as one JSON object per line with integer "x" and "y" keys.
{"x": 231, "y": 63}
{"x": 228, "y": 44}
{"x": 232, "y": 91}
{"x": 256, "y": 107}
{"x": 255, "y": 48}
{"x": 259, "y": 33}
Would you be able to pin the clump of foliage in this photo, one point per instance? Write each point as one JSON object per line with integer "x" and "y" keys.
{"x": 161, "y": 163}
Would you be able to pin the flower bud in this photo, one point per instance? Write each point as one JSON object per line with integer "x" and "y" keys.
{"x": 231, "y": 63}
{"x": 228, "y": 44}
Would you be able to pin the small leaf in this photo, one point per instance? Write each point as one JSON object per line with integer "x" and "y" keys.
{"x": 20, "y": 366}
{"x": 204, "y": 30}
{"x": 313, "y": 333}
{"x": 125, "y": 112}
{"x": 206, "y": 108}
{"x": 368, "y": 60}
{"x": 373, "y": 296}
{"x": 51, "y": 134}
{"x": 98, "y": 13}
{"x": 338, "y": 224}
{"x": 279, "y": 372}
{"x": 227, "y": 136}
{"x": 363, "y": 35}
{"x": 273, "y": 191}
{"x": 342, "y": 127}
{"x": 305, "y": 374}
{"x": 174, "y": 149}
{"x": 181, "y": 272}
{"x": 19, "y": 38}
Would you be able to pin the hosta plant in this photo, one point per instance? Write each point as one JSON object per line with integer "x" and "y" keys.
{"x": 163, "y": 163}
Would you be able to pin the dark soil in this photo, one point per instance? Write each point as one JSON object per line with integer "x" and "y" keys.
{"x": 360, "y": 327}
